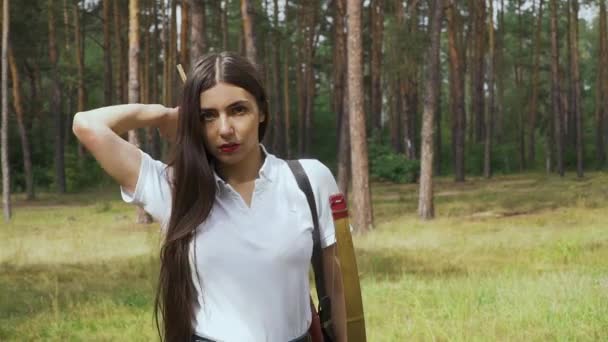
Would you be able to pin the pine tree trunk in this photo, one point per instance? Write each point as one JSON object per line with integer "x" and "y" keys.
{"x": 6, "y": 177}
{"x": 184, "y": 48}
{"x": 25, "y": 142}
{"x": 224, "y": 24}
{"x": 79, "y": 51}
{"x": 339, "y": 94}
{"x": 277, "y": 117}
{"x": 576, "y": 94}
{"x": 489, "y": 121}
{"x": 457, "y": 103}
{"x": 361, "y": 194}
{"x": 56, "y": 103}
{"x": 248, "y": 13}
{"x": 555, "y": 91}
{"x": 601, "y": 89}
{"x": 426, "y": 208}
{"x": 377, "y": 28}
{"x": 171, "y": 68}
{"x": 535, "y": 86}
{"x": 107, "y": 54}
{"x": 120, "y": 85}
{"x": 198, "y": 41}
{"x": 142, "y": 216}
{"x": 478, "y": 76}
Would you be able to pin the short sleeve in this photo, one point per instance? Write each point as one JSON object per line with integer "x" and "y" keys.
{"x": 324, "y": 186}
{"x": 152, "y": 191}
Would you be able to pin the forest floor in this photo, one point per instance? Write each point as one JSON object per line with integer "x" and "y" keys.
{"x": 522, "y": 257}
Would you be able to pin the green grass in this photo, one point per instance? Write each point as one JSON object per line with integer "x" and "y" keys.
{"x": 515, "y": 258}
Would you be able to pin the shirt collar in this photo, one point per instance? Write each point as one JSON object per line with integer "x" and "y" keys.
{"x": 266, "y": 171}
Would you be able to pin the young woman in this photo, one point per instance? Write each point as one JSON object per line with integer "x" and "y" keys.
{"x": 238, "y": 230}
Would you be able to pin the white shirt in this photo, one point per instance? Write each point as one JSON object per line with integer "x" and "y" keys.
{"x": 253, "y": 262}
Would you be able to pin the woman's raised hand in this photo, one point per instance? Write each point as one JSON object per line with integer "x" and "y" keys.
{"x": 167, "y": 125}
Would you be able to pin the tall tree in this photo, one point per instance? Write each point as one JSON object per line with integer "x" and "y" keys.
{"x": 248, "y": 15}
{"x": 79, "y": 51}
{"x": 198, "y": 41}
{"x": 576, "y": 84}
{"x": 171, "y": 70}
{"x": 107, "y": 53}
{"x": 535, "y": 87}
{"x": 456, "y": 73}
{"x": 25, "y": 141}
{"x": 489, "y": 121}
{"x": 377, "y": 29}
{"x": 6, "y": 177}
{"x": 601, "y": 88}
{"x": 118, "y": 41}
{"x": 142, "y": 216}
{"x": 555, "y": 91}
{"x": 224, "y": 24}
{"x": 56, "y": 102}
{"x": 478, "y": 67}
{"x": 184, "y": 28}
{"x": 340, "y": 94}
{"x": 362, "y": 207}
{"x": 426, "y": 208}
{"x": 277, "y": 119}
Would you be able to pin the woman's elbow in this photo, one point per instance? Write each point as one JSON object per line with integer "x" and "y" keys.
{"x": 82, "y": 128}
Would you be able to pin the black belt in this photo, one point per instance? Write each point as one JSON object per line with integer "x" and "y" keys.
{"x": 304, "y": 338}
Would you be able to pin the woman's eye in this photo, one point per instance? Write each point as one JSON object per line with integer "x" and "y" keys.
{"x": 207, "y": 116}
{"x": 239, "y": 110}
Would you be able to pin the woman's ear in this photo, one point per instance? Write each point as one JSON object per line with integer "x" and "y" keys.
{"x": 262, "y": 117}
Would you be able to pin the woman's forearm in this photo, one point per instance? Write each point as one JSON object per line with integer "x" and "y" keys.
{"x": 122, "y": 118}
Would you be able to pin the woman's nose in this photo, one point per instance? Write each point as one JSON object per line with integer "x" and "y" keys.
{"x": 226, "y": 128}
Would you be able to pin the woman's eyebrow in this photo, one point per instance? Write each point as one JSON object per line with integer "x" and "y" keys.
{"x": 234, "y": 104}
{"x": 238, "y": 103}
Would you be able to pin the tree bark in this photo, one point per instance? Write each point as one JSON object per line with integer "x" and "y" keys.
{"x": 82, "y": 96}
{"x": 362, "y": 208}
{"x": 277, "y": 117}
{"x": 535, "y": 86}
{"x": 601, "y": 88}
{"x": 56, "y": 103}
{"x": 171, "y": 68}
{"x": 224, "y": 24}
{"x": 107, "y": 54}
{"x": 377, "y": 28}
{"x": 184, "y": 48}
{"x": 6, "y": 176}
{"x": 489, "y": 121}
{"x": 426, "y": 208}
{"x": 25, "y": 142}
{"x": 478, "y": 70}
{"x": 198, "y": 40}
{"x": 142, "y": 216}
{"x": 120, "y": 85}
{"x": 248, "y": 14}
{"x": 457, "y": 104}
{"x": 340, "y": 95}
{"x": 576, "y": 94}
{"x": 555, "y": 91}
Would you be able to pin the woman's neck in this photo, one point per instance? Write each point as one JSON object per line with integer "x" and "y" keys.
{"x": 244, "y": 171}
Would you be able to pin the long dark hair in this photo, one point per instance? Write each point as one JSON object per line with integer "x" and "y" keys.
{"x": 193, "y": 188}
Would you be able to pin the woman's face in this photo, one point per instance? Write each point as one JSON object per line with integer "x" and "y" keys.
{"x": 229, "y": 118}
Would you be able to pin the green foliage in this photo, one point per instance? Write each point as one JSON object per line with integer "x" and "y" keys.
{"x": 83, "y": 173}
{"x": 388, "y": 165}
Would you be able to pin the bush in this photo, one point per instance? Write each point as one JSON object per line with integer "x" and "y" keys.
{"x": 388, "y": 165}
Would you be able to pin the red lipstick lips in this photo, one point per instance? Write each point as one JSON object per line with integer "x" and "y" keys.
{"x": 229, "y": 148}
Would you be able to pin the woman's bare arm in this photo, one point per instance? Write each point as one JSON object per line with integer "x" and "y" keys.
{"x": 99, "y": 131}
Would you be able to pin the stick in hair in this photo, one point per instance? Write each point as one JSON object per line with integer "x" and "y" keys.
{"x": 181, "y": 72}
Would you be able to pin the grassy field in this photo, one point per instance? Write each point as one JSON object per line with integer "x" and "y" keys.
{"x": 519, "y": 258}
